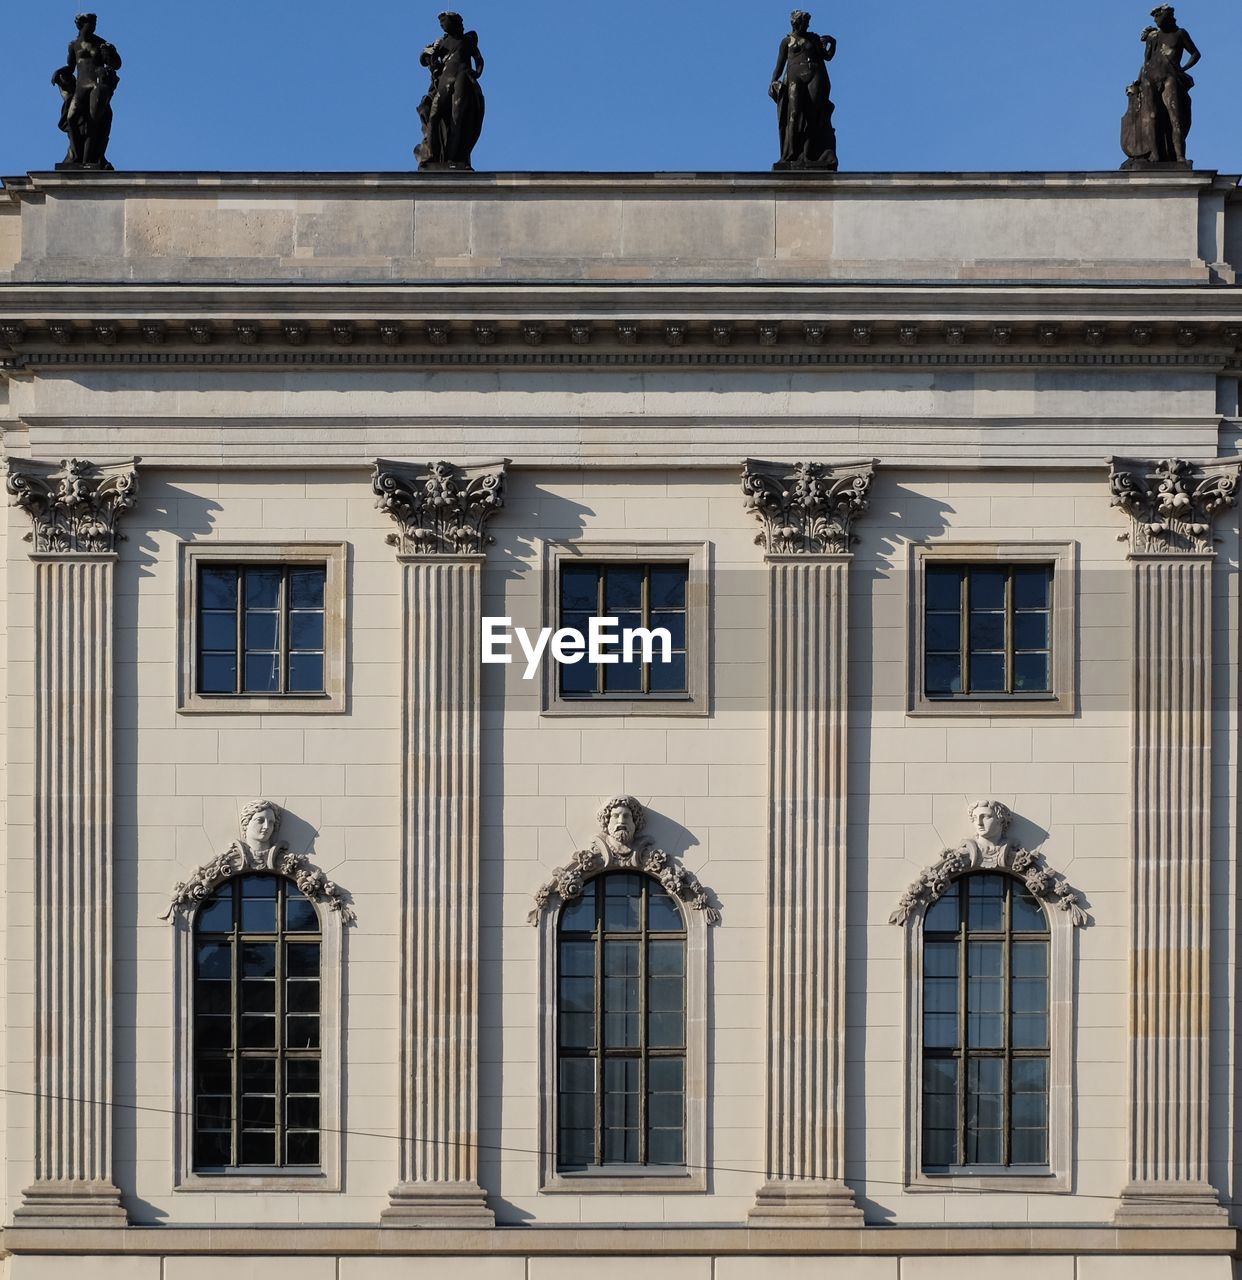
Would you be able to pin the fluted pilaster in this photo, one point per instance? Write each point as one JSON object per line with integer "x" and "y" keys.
{"x": 442, "y": 568}
{"x": 75, "y": 511}
{"x": 807, "y": 515}
{"x": 1172, "y": 506}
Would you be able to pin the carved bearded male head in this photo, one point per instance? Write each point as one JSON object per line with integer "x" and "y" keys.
{"x": 621, "y": 818}
{"x": 260, "y": 822}
{"x": 990, "y": 820}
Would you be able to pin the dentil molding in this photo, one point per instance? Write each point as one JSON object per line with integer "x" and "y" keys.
{"x": 988, "y": 850}
{"x": 258, "y": 851}
{"x": 440, "y": 509}
{"x": 619, "y": 847}
{"x": 1172, "y": 503}
{"x": 75, "y": 507}
{"x": 809, "y": 509}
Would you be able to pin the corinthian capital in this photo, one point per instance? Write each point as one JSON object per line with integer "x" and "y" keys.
{"x": 809, "y": 508}
{"x": 1172, "y": 503}
{"x": 440, "y": 509}
{"x": 75, "y": 507}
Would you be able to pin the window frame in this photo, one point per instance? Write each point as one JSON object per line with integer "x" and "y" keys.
{"x": 696, "y": 701}
{"x": 285, "y": 555}
{"x": 1062, "y": 700}
{"x": 606, "y": 1179}
{"x": 326, "y": 1176}
{"x": 1056, "y": 1177}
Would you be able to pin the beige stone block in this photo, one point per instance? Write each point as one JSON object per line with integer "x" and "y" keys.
{"x": 984, "y": 1268}
{"x": 619, "y": 1268}
{"x": 759, "y": 1268}
{"x": 97, "y": 1268}
{"x": 1154, "y": 1268}
{"x": 466, "y": 1268}
{"x": 209, "y": 1268}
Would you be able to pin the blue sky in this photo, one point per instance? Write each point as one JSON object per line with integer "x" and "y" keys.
{"x": 595, "y": 84}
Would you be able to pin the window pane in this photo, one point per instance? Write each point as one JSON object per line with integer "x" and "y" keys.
{"x": 263, "y": 588}
{"x": 623, "y": 898}
{"x": 986, "y": 898}
{"x": 621, "y": 995}
{"x": 262, "y": 673}
{"x": 1030, "y": 959}
{"x": 987, "y": 588}
{"x": 984, "y": 1111}
{"x": 258, "y": 1031}
{"x": 213, "y": 997}
{"x": 258, "y": 1075}
{"x": 987, "y": 631}
{"x": 578, "y": 678}
{"x": 668, "y": 586}
{"x": 213, "y": 1150}
{"x": 306, "y": 588}
{"x": 943, "y": 673}
{"x": 218, "y": 631}
{"x": 939, "y": 1112}
{"x": 300, "y": 915}
{"x": 579, "y": 589}
{"x": 578, "y": 915}
{"x": 1031, "y": 587}
{"x": 302, "y": 1075}
{"x": 675, "y": 625}
{"x": 667, "y": 959}
{"x": 262, "y": 630}
{"x": 1030, "y": 673}
{"x": 622, "y": 1111}
{"x": 302, "y": 959}
{"x": 663, "y": 914}
{"x": 987, "y": 673}
{"x": 576, "y": 1113}
{"x": 214, "y": 960}
{"x": 623, "y": 588}
{"x": 944, "y": 589}
{"x": 943, "y": 916}
{"x": 985, "y": 996}
{"x": 669, "y": 677}
{"x": 302, "y": 1113}
{"x": 302, "y": 995}
{"x": 216, "y": 914}
{"x": 306, "y": 631}
{"x": 302, "y": 1032}
{"x": 944, "y": 632}
{"x": 217, "y": 588}
{"x": 306, "y": 673}
{"x": 625, "y": 677}
{"x": 213, "y": 1032}
{"x": 218, "y": 673}
{"x": 259, "y": 958}
{"x": 258, "y": 1147}
{"x": 1030, "y": 631}
{"x": 258, "y": 996}
{"x": 302, "y": 1148}
{"x": 1028, "y": 915}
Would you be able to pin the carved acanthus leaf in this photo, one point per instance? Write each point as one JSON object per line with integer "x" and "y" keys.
{"x": 1172, "y": 503}
{"x": 1051, "y": 888}
{"x": 238, "y": 858}
{"x": 440, "y": 509}
{"x": 619, "y": 847}
{"x": 75, "y": 507}
{"x": 808, "y": 509}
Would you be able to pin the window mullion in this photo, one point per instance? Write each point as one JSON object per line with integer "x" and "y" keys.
{"x": 600, "y": 686}
{"x": 1006, "y": 1037}
{"x": 281, "y": 1044}
{"x": 239, "y": 681}
{"x": 643, "y": 1005}
{"x": 964, "y": 628}
{"x": 599, "y": 1024}
{"x": 963, "y": 1039}
{"x": 282, "y": 639}
{"x": 235, "y": 1022}
{"x": 1010, "y": 628}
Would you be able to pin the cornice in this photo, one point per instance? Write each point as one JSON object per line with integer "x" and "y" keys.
{"x": 41, "y": 182}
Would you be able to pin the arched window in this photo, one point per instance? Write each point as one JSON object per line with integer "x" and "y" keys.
{"x": 986, "y": 1037}
{"x": 256, "y": 1017}
{"x": 621, "y": 1053}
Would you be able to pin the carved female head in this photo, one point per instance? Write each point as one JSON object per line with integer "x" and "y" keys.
{"x": 260, "y": 822}
{"x": 452, "y": 23}
{"x": 990, "y": 818}
{"x": 800, "y": 20}
{"x": 622, "y": 818}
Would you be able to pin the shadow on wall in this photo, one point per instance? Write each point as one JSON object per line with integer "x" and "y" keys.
{"x": 897, "y": 517}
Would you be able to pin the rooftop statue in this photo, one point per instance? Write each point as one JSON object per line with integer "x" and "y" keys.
{"x": 1157, "y": 119}
{"x": 452, "y": 111}
{"x": 808, "y": 140}
{"x": 87, "y": 82}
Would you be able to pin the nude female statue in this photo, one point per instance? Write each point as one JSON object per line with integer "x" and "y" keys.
{"x": 452, "y": 111}
{"x": 87, "y": 82}
{"x": 808, "y": 140}
{"x": 1158, "y": 117}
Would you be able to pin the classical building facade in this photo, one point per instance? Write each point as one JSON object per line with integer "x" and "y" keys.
{"x": 883, "y": 927}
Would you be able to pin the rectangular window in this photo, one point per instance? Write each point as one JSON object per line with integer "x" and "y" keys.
{"x": 261, "y": 629}
{"x": 992, "y": 629}
{"x": 648, "y": 596}
{"x": 988, "y": 630}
